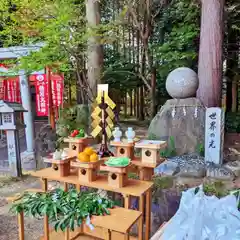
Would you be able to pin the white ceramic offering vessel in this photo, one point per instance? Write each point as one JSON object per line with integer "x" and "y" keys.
{"x": 57, "y": 155}
{"x": 117, "y": 134}
{"x": 130, "y": 134}
{"x": 64, "y": 155}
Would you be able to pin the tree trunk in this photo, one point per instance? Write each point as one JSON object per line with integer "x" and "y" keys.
{"x": 95, "y": 55}
{"x": 137, "y": 103}
{"x": 210, "y": 53}
{"x": 69, "y": 92}
{"x": 234, "y": 94}
{"x": 131, "y": 102}
{"x": 232, "y": 63}
{"x": 134, "y": 103}
{"x": 141, "y": 104}
{"x": 153, "y": 93}
{"x": 125, "y": 106}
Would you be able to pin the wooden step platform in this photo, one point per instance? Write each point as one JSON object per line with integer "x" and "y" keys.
{"x": 115, "y": 226}
{"x": 73, "y": 236}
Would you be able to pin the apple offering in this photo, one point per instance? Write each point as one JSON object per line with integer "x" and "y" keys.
{"x": 78, "y": 133}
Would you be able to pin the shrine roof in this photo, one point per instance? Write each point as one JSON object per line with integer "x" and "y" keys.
{"x": 11, "y": 107}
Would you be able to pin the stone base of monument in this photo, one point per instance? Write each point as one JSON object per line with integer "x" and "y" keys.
{"x": 194, "y": 166}
{"x": 181, "y": 123}
{"x": 234, "y": 167}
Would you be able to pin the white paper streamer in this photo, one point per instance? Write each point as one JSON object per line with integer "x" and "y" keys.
{"x": 184, "y": 111}
{"x": 89, "y": 224}
{"x": 196, "y": 112}
{"x": 173, "y": 111}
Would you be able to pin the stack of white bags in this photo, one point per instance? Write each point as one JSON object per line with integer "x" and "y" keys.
{"x": 202, "y": 217}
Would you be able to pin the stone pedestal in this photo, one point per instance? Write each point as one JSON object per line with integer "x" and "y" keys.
{"x": 183, "y": 120}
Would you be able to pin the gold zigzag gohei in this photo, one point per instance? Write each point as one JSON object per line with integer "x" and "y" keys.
{"x": 97, "y": 119}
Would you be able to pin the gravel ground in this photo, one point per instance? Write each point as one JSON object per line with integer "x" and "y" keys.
{"x": 8, "y": 222}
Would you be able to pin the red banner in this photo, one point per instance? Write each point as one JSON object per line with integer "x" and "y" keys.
{"x": 3, "y": 88}
{"x": 12, "y": 90}
{"x": 57, "y": 89}
{"x": 41, "y": 85}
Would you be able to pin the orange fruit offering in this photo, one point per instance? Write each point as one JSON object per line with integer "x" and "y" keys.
{"x": 83, "y": 157}
{"x": 89, "y": 151}
{"x": 93, "y": 157}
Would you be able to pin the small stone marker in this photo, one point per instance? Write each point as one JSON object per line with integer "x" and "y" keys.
{"x": 214, "y": 135}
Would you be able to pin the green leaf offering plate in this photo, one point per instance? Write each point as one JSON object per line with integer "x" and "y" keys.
{"x": 117, "y": 162}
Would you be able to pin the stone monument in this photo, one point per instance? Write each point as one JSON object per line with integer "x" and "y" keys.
{"x": 214, "y": 135}
{"x": 182, "y": 83}
{"x": 182, "y": 117}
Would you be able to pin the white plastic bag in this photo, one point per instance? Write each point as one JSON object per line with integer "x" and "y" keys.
{"x": 202, "y": 217}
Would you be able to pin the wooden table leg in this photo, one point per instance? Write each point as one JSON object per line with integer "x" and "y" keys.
{"x": 141, "y": 173}
{"x": 140, "y": 224}
{"x": 126, "y": 201}
{"x": 127, "y": 236}
{"x": 66, "y": 234}
{"x": 65, "y": 187}
{"x": 148, "y": 213}
{"x": 107, "y": 234}
{"x": 145, "y": 174}
{"x": 46, "y": 226}
{"x": 21, "y": 225}
{"x": 44, "y": 184}
{"x": 78, "y": 187}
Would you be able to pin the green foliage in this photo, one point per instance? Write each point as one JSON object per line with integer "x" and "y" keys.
{"x": 163, "y": 182}
{"x": 133, "y": 176}
{"x": 200, "y": 149}
{"x": 170, "y": 151}
{"x": 152, "y": 136}
{"x": 64, "y": 209}
{"x": 59, "y": 24}
{"x": 217, "y": 189}
{"x": 121, "y": 75}
{"x": 232, "y": 122}
{"x": 175, "y": 39}
{"x": 70, "y": 119}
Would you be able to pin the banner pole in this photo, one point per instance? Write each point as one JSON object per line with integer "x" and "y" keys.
{"x": 51, "y": 118}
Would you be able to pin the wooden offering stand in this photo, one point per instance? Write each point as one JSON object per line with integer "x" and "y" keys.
{"x": 117, "y": 176}
{"x": 77, "y": 145}
{"x": 150, "y": 150}
{"x": 124, "y": 149}
{"x": 87, "y": 171}
{"x": 61, "y": 167}
{"x": 150, "y": 157}
{"x": 103, "y": 229}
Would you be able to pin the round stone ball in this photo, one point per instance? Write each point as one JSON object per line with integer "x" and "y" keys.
{"x": 182, "y": 83}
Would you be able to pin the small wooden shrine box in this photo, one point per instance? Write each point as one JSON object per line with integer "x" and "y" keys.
{"x": 117, "y": 176}
{"x": 150, "y": 150}
{"x": 62, "y": 166}
{"x": 87, "y": 172}
{"x": 124, "y": 149}
{"x": 77, "y": 145}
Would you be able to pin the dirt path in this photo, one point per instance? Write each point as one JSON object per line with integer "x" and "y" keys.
{"x": 8, "y": 221}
